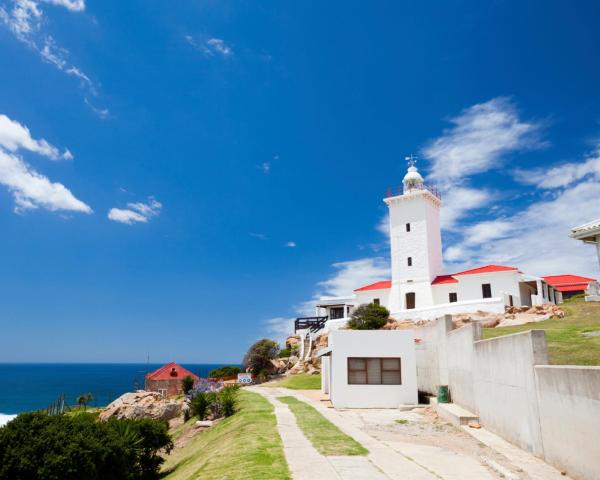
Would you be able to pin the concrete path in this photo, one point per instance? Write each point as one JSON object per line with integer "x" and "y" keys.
{"x": 305, "y": 462}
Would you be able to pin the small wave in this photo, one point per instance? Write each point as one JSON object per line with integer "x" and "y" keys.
{"x": 4, "y": 419}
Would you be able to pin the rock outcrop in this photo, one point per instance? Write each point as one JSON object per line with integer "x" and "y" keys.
{"x": 144, "y": 404}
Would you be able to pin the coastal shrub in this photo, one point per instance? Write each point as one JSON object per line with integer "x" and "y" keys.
{"x": 62, "y": 447}
{"x": 258, "y": 357}
{"x": 83, "y": 400}
{"x": 200, "y": 405}
{"x": 369, "y": 317}
{"x": 222, "y": 372}
{"x": 187, "y": 384}
{"x": 228, "y": 400}
{"x": 285, "y": 353}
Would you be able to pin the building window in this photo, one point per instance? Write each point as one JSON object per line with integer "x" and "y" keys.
{"x": 453, "y": 297}
{"x": 336, "y": 312}
{"x": 376, "y": 301}
{"x": 408, "y": 227}
{"x": 410, "y": 300}
{"x": 409, "y": 261}
{"x": 374, "y": 371}
{"x": 486, "y": 289}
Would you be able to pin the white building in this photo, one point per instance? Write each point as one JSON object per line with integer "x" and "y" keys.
{"x": 370, "y": 368}
{"x": 419, "y": 288}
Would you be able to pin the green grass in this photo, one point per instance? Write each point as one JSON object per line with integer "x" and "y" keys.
{"x": 302, "y": 381}
{"x": 324, "y": 435}
{"x": 178, "y": 430}
{"x": 244, "y": 446}
{"x": 566, "y": 344}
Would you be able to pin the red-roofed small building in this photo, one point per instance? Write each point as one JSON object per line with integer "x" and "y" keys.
{"x": 167, "y": 379}
{"x": 570, "y": 285}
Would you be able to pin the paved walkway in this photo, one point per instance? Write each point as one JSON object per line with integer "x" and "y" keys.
{"x": 388, "y": 460}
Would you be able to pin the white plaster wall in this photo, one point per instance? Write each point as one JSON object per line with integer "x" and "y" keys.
{"x": 469, "y": 286}
{"x": 372, "y": 343}
{"x": 367, "y": 296}
{"x": 494, "y": 305}
{"x": 325, "y": 373}
{"x": 569, "y": 406}
{"x": 505, "y": 386}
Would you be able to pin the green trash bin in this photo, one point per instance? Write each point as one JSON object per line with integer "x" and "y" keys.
{"x": 443, "y": 395}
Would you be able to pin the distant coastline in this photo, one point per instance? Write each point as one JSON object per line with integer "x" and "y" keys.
{"x": 33, "y": 386}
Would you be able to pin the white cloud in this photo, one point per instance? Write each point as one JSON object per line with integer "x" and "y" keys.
{"x": 561, "y": 175}
{"x": 32, "y": 190}
{"x": 265, "y": 167}
{"x": 14, "y": 136}
{"x": 73, "y": 5}
{"x": 279, "y": 328}
{"x": 354, "y": 274}
{"x": 458, "y": 201}
{"x": 26, "y": 20}
{"x": 211, "y": 46}
{"x": 136, "y": 212}
{"x": 291, "y": 244}
{"x": 482, "y": 134}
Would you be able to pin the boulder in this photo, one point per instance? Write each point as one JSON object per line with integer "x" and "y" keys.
{"x": 143, "y": 404}
{"x": 292, "y": 341}
{"x": 321, "y": 341}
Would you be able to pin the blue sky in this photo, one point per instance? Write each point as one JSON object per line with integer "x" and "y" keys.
{"x": 180, "y": 178}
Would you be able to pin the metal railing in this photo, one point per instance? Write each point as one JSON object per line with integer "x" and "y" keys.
{"x": 314, "y": 324}
{"x": 400, "y": 191}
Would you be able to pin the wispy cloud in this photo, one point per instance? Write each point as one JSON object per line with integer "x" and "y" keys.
{"x": 265, "y": 167}
{"x": 291, "y": 244}
{"x": 136, "y": 212}
{"x": 210, "y": 46}
{"x": 259, "y": 236}
{"x": 31, "y": 189}
{"x": 478, "y": 141}
{"x": 26, "y": 20}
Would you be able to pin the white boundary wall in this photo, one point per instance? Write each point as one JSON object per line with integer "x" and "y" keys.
{"x": 551, "y": 411}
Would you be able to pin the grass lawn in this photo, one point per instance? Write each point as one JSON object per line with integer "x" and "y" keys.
{"x": 302, "y": 381}
{"x": 566, "y": 344}
{"x": 243, "y": 446}
{"x": 324, "y": 435}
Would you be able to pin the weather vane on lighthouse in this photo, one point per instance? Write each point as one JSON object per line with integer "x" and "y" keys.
{"x": 411, "y": 159}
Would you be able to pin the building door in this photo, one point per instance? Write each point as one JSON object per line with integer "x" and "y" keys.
{"x": 410, "y": 300}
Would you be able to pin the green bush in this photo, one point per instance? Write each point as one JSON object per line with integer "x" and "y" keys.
{"x": 187, "y": 384}
{"x": 227, "y": 371}
{"x": 61, "y": 447}
{"x": 228, "y": 400}
{"x": 258, "y": 357}
{"x": 200, "y": 405}
{"x": 285, "y": 353}
{"x": 369, "y": 317}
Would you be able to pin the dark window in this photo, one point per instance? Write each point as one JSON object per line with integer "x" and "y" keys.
{"x": 408, "y": 227}
{"x": 453, "y": 297}
{"x": 409, "y": 261}
{"x": 486, "y": 289}
{"x": 376, "y": 301}
{"x": 374, "y": 371}
{"x": 336, "y": 312}
{"x": 410, "y": 300}
{"x": 511, "y": 301}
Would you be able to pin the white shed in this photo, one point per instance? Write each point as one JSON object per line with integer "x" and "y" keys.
{"x": 370, "y": 368}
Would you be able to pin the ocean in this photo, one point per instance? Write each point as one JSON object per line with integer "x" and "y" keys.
{"x": 32, "y": 386}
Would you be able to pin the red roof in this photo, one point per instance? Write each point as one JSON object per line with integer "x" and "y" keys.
{"x": 568, "y": 283}
{"x": 384, "y": 284}
{"x": 486, "y": 269}
{"x": 171, "y": 371}
{"x": 444, "y": 279}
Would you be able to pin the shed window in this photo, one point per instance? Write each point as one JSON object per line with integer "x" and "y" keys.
{"x": 486, "y": 290}
{"x": 408, "y": 227}
{"x": 374, "y": 371}
{"x": 336, "y": 312}
{"x": 409, "y": 261}
{"x": 376, "y": 301}
{"x": 453, "y": 297}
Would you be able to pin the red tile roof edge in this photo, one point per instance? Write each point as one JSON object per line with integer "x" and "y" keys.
{"x": 164, "y": 372}
{"x": 381, "y": 285}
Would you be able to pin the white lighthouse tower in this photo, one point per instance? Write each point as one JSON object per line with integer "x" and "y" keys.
{"x": 416, "y": 242}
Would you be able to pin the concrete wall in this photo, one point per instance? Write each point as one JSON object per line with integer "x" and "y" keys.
{"x": 569, "y": 406}
{"x": 551, "y": 411}
{"x": 494, "y": 305}
{"x": 505, "y": 388}
{"x": 460, "y": 352}
{"x": 372, "y": 343}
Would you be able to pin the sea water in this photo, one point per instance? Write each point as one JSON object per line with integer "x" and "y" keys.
{"x": 32, "y": 386}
